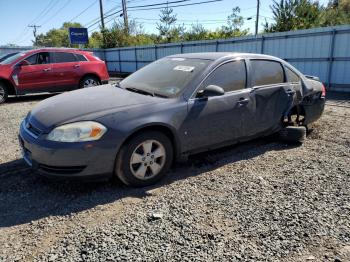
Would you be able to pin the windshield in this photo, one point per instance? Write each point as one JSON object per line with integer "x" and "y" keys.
{"x": 10, "y": 59}
{"x": 165, "y": 77}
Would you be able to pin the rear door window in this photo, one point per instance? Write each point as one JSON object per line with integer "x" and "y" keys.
{"x": 61, "y": 57}
{"x": 230, "y": 76}
{"x": 266, "y": 72}
{"x": 291, "y": 76}
{"x": 80, "y": 57}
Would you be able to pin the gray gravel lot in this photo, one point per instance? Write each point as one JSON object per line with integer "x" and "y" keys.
{"x": 258, "y": 201}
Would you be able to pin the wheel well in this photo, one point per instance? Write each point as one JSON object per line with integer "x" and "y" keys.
{"x": 296, "y": 116}
{"x": 90, "y": 74}
{"x": 163, "y": 129}
{"x": 11, "y": 89}
{"x": 294, "y": 110}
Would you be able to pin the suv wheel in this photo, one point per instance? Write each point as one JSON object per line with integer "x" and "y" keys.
{"x": 3, "y": 93}
{"x": 145, "y": 159}
{"x": 89, "y": 81}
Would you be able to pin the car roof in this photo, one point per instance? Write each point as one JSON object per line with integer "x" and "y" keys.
{"x": 222, "y": 55}
{"x": 53, "y": 49}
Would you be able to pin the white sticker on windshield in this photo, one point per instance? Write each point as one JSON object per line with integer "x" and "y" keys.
{"x": 178, "y": 59}
{"x": 184, "y": 68}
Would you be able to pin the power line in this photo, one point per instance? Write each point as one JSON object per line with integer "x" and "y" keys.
{"x": 82, "y": 12}
{"x": 199, "y": 3}
{"x": 57, "y": 12}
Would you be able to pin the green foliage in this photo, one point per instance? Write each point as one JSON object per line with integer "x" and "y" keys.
{"x": 234, "y": 24}
{"x": 116, "y": 36}
{"x": 303, "y": 14}
{"x": 56, "y": 37}
{"x": 168, "y": 30}
{"x": 337, "y": 12}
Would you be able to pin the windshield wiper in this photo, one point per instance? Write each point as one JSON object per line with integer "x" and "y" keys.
{"x": 144, "y": 92}
{"x": 140, "y": 91}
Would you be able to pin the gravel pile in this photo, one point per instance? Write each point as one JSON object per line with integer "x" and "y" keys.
{"x": 259, "y": 201}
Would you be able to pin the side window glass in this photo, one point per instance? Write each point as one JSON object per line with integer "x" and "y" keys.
{"x": 291, "y": 76}
{"x": 80, "y": 57}
{"x": 61, "y": 57}
{"x": 31, "y": 59}
{"x": 230, "y": 76}
{"x": 266, "y": 72}
{"x": 43, "y": 58}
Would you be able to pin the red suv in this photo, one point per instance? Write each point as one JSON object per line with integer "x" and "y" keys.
{"x": 50, "y": 70}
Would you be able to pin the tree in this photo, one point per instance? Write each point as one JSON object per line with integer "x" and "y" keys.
{"x": 57, "y": 37}
{"x": 196, "y": 32}
{"x": 116, "y": 36}
{"x": 168, "y": 31}
{"x": 337, "y": 12}
{"x": 234, "y": 25}
{"x": 293, "y": 15}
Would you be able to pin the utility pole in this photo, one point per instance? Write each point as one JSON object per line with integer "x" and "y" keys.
{"x": 34, "y": 32}
{"x": 102, "y": 24}
{"x": 125, "y": 16}
{"x": 257, "y": 18}
{"x": 101, "y": 14}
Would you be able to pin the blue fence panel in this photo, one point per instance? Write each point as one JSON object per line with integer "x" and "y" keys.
{"x": 324, "y": 52}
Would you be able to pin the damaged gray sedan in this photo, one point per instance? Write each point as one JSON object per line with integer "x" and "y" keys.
{"x": 176, "y": 106}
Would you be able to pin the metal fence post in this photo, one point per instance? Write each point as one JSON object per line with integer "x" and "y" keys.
{"x": 331, "y": 58}
{"x": 135, "y": 52}
{"x": 120, "y": 64}
{"x": 217, "y": 46}
{"x": 181, "y": 48}
{"x": 262, "y": 44}
{"x": 155, "y": 52}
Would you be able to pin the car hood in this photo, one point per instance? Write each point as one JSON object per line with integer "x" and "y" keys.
{"x": 86, "y": 104}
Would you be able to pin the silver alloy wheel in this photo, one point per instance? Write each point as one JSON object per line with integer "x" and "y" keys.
{"x": 148, "y": 159}
{"x": 90, "y": 82}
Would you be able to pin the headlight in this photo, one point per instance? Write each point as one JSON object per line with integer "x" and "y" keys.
{"x": 77, "y": 132}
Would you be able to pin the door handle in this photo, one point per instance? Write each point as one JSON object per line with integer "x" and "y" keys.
{"x": 76, "y": 66}
{"x": 243, "y": 101}
{"x": 47, "y": 69}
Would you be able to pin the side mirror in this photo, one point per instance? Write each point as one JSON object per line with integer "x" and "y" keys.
{"x": 23, "y": 63}
{"x": 211, "y": 90}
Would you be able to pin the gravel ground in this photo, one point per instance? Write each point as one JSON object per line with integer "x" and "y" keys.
{"x": 259, "y": 201}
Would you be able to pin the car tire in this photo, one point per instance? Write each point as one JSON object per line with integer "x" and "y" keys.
{"x": 3, "y": 93}
{"x": 293, "y": 134}
{"x": 145, "y": 159}
{"x": 89, "y": 81}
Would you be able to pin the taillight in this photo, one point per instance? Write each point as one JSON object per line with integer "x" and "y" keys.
{"x": 323, "y": 91}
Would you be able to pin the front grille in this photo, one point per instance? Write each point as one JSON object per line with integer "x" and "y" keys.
{"x": 61, "y": 170}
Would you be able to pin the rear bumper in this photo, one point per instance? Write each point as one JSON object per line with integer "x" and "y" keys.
{"x": 313, "y": 110}
{"x": 87, "y": 161}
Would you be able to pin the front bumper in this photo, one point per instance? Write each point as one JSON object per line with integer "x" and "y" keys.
{"x": 89, "y": 160}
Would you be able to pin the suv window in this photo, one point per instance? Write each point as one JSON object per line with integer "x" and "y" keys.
{"x": 62, "y": 57}
{"x": 292, "y": 76}
{"x": 230, "y": 76}
{"x": 32, "y": 59}
{"x": 80, "y": 57}
{"x": 266, "y": 72}
{"x": 39, "y": 58}
{"x": 43, "y": 58}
